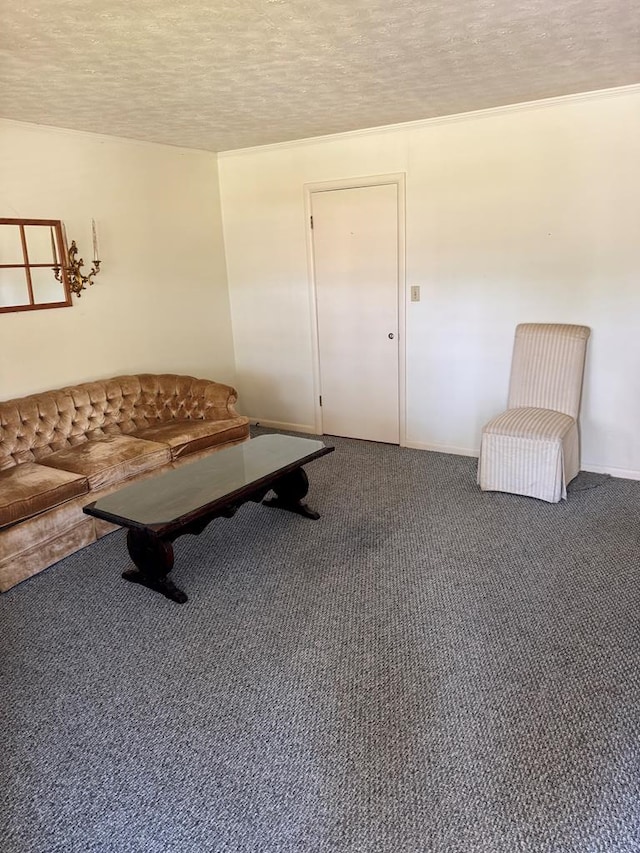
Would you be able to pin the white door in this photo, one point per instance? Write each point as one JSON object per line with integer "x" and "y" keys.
{"x": 355, "y": 250}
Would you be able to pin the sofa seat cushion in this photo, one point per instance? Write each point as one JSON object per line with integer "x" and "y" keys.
{"x": 110, "y": 460}
{"x": 188, "y": 436}
{"x": 29, "y": 489}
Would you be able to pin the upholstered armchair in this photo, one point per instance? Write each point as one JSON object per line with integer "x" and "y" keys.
{"x": 533, "y": 448}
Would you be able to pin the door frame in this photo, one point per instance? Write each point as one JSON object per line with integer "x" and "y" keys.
{"x": 397, "y": 178}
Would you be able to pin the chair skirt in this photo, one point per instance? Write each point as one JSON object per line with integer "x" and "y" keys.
{"x": 532, "y": 452}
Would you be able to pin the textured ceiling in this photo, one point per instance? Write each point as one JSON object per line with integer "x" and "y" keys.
{"x": 234, "y": 73}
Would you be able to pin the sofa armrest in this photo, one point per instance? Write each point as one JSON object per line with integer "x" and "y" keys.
{"x": 219, "y": 401}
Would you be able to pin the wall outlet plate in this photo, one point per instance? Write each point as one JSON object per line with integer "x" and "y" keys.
{"x": 415, "y": 293}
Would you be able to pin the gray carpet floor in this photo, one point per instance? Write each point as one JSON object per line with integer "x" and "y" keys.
{"x": 425, "y": 668}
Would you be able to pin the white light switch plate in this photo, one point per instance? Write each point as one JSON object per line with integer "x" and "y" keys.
{"x": 415, "y": 293}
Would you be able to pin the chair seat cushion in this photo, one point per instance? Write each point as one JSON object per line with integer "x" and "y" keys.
{"x": 29, "y": 488}
{"x": 189, "y": 436}
{"x": 110, "y": 460}
{"x": 543, "y": 424}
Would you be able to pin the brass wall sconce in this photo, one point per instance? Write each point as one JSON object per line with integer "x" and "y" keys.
{"x": 73, "y": 268}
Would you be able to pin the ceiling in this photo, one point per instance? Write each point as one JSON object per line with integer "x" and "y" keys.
{"x": 229, "y": 74}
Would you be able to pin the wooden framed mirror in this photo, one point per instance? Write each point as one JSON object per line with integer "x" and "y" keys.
{"x": 33, "y": 265}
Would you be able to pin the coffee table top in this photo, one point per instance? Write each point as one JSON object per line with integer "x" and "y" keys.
{"x": 174, "y": 496}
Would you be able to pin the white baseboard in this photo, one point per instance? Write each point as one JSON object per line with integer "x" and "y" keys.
{"x": 442, "y": 448}
{"x": 306, "y": 428}
{"x": 623, "y": 473}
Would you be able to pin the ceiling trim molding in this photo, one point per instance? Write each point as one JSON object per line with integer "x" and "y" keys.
{"x": 101, "y": 138}
{"x": 543, "y": 103}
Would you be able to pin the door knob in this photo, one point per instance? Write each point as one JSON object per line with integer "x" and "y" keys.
{"x": 391, "y": 336}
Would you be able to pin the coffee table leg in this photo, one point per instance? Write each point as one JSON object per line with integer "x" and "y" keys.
{"x": 153, "y": 557}
{"x": 290, "y": 490}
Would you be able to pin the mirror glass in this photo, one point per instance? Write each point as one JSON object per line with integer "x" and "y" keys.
{"x": 32, "y": 274}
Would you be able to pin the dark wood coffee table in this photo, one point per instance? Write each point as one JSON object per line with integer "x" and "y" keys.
{"x": 158, "y": 510}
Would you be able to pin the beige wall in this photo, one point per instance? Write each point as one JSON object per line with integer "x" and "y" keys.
{"x": 528, "y": 213}
{"x": 160, "y": 302}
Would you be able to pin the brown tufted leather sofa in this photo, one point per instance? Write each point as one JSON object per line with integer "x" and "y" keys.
{"x": 62, "y": 449}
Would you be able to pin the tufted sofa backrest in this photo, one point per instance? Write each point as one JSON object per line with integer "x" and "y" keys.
{"x": 33, "y": 427}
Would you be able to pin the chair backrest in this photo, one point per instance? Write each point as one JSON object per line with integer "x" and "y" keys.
{"x": 548, "y": 366}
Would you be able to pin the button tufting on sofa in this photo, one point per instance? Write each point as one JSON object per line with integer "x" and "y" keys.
{"x": 96, "y": 436}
